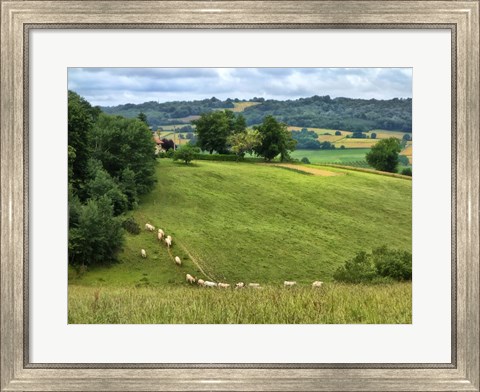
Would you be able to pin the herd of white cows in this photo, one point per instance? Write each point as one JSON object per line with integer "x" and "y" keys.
{"x": 205, "y": 283}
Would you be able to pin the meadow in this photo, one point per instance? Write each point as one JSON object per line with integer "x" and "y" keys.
{"x": 332, "y": 304}
{"x": 254, "y": 223}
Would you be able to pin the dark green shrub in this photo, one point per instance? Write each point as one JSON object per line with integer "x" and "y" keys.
{"x": 407, "y": 171}
{"x": 383, "y": 265}
{"x": 305, "y": 160}
{"x": 393, "y": 263}
{"x": 357, "y": 270}
{"x": 169, "y": 153}
{"x": 131, "y": 225}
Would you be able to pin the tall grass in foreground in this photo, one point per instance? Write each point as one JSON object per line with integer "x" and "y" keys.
{"x": 332, "y": 304}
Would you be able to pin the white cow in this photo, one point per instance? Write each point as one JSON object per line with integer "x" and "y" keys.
{"x": 317, "y": 284}
{"x": 161, "y": 231}
{"x": 254, "y": 285}
{"x": 178, "y": 261}
{"x": 201, "y": 282}
{"x": 289, "y": 283}
{"x": 149, "y": 227}
{"x": 144, "y": 253}
{"x": 223, "y": 285}
{"x": 240, "y": 285}
{"x": 160, "y": 236}
{"x": 189, "y": 278}
{"x": 209, "y": 284}
{"x": 168, "y": 241}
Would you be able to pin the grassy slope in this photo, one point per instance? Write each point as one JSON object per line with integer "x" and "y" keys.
{"x": 247, "y": 222}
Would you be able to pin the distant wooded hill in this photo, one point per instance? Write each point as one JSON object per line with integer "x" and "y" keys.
{"x": 321, "y": 112}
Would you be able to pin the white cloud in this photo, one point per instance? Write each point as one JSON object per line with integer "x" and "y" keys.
{"x": 113, "y": 86}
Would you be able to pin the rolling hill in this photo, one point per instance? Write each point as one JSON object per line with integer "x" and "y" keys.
{"x": 256, "y": 222}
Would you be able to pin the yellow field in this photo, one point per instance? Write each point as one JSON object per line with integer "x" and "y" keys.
{"x": 381, "y": 134}
{"x": 408, "y": 151}
{"x": 187, "y": 119}
{"x": 355, "y": 143}
{"x": 330, "y": 138}
{"x": 241, "y": 106}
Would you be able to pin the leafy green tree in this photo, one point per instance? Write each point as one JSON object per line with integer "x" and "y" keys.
{"x": 102, "y": 184}
{"x": 185, "y": 153}
{"x": 407, "y": 171}
{"x": 129, "y": 187}
{"x": 338, "y": 133}
{"x": 81, "y": 117}
{"x": 373, "y": 135}
{"x": 214, "y": 128}
{"x": 212, "y": 131}
{"x": 120, "y": 143}
{"x": 244, "y": 142}
{"x": 142, "y": 117}
{"x": 275, "y": 139}
{"x": 96, "y": 237}
{"x": 236, "y": 123}
{"x": 384, "y": 155}
{"x": 407, "y": 137}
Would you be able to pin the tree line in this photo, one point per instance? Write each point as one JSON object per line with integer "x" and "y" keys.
{"x": 317, "y": 111}
{"x": 111, "y": 162}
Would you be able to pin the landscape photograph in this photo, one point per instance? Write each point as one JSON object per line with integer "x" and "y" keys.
{"x": 240, "y": 195}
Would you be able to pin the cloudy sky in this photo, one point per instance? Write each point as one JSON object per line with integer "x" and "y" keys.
{"x": 114, "y": 86}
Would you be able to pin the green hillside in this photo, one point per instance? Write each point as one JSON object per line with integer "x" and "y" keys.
{"x": 322, "y": 112}
{"x": 258, "y": 223}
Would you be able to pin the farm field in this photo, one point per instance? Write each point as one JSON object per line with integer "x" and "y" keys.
{"x": 254, "y": 223}
{"x": 384, "y": 134}
{"x": 355, "y": 143}
{"x": 408, "y": 151}
{"x": 338, "y": 156}
{"x": 241, "y": 106}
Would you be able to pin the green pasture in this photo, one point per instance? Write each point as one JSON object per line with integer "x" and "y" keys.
{"x": 255, "y": 222}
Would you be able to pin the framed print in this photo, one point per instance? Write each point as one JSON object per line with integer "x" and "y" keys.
{"x": 219, "y": 195}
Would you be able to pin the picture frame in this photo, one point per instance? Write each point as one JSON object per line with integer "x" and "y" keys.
{"x": 18, "y": 17}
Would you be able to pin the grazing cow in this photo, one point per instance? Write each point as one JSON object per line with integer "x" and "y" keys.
{"x": 161, "y": 231}
{"x": 209, "y": 284}
{"x": 223, "y": 285}
{"x": 201, "y": 282}
{"x": 317, "y": 284}
{"x": 254, "y": 285}
{"x": 168, "y": 241}
{"x": 190, "y": 279}
{"x": 240, "y": 285}
{"x": 149, "y": 227}
{"x": 144, "y": 253}
{"x": 178, "y": 261}
{"x": 289, "y": 283}
{"x": 160, "y": 235}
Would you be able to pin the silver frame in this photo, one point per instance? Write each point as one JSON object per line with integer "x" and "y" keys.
{"x": 18, "y": 17}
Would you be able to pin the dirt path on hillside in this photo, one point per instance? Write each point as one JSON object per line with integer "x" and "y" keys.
{"x": 194, "y": 260}
{"x": 311, "y": 170}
